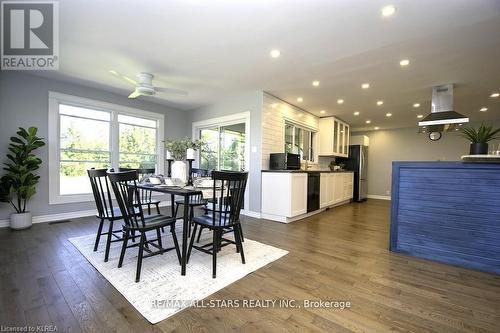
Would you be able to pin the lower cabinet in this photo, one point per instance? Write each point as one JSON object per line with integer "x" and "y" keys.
{"x": 335, "y": 188}
{"x": 284, "y": 194}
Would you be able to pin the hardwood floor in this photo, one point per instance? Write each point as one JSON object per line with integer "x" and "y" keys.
{"x": 337, "y": 255}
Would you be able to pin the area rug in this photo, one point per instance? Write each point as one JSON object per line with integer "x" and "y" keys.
{"x": 162, "y": 291}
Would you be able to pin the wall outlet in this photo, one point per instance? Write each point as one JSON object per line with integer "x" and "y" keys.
{"x": 388, "y": 192}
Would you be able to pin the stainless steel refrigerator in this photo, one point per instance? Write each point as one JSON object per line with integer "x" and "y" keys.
{"x": 358, "y": 162}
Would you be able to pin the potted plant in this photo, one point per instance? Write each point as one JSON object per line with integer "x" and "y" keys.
{"x": 479, "y": 138}
{"x": 19, "y": 184}
{"x": 177, "y": 150}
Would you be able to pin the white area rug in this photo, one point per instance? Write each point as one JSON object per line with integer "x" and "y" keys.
{"x": 161, "y": 280}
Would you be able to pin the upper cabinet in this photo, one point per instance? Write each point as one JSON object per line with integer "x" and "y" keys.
{"x": 334, "y": 136}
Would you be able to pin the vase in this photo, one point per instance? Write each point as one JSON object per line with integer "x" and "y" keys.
{"x": 179, "y": 170}
{"x": 480, "y": 148}
{"x": 19, "y": 221}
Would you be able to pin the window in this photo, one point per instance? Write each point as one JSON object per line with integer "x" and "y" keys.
{"x": 86, "y": 134}
{"x": 299, "y": 140}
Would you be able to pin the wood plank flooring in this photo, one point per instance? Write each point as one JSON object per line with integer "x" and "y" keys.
{"x": 340, "y": 254}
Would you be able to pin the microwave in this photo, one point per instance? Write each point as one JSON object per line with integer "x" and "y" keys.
{"x": 284, "y": 161}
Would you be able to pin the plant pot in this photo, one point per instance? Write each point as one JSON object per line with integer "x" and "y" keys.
{"x": 19, "y": 221}
{"x": 179, "y": 170}
{"x": 479, "y": 148}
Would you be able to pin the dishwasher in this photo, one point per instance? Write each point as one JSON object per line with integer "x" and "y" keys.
{"x": 313, "y": 179}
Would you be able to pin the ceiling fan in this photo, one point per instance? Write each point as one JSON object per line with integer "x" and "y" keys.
{"x": 144, "y": 85}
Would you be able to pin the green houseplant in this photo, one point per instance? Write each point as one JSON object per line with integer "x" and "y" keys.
{"x": 18, "y": 185}
{"x": 479, "y": 138}
{"x": 179, "y": 150}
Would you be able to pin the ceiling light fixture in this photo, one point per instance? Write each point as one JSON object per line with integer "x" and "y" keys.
{"x": 368, "y": 121}
{"x": 322, "y": 112}
{"x": 300, "y": 99}
{"x": 420, "y": 116}
{"x": 300, "y": 114}
{"x": 275, "y": 53}
{"x": 388, "y": 11}
{"x": 316, "y": 83}
{"x": 356, "y": 113}
{"x": 388, "y": 114}
{"x": 483, "y": 109}
{"x": 494, "y": 95}
{"x": 365, "y": 85}
{"x": 274, "y": 105}
{"x": 416, "y": 105}
{"x": 340, "y": 101}
{"x": 377, "y": 128}
{"x": 380, "y": 103}
{"x": 404, "y": 62}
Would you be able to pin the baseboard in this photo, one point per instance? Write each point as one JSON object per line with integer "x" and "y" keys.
{"x": 250, "y": 213}
{"x": 380, "y": 197}
{"x": 65, "y": 216}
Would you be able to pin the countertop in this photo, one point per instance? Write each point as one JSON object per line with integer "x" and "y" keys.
{"x": 307, "y": 171}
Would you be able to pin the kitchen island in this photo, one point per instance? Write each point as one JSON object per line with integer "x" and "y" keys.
{"x": 290, "y": 195}
{"x": 447, "y": 212}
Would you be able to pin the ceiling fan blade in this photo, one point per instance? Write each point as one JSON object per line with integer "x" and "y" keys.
{"x": 171, "y": 91}
{"x": 134, "y": 94}
{"x": 123, "y": 77}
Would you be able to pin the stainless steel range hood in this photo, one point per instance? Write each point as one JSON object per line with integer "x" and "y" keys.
{"x": 442, "y": 118}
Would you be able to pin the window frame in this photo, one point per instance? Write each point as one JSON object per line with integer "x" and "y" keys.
{"x": 56, "y": 98}
{"x": 313, "y": 157}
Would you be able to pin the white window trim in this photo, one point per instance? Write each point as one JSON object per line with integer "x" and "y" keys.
{"x": 307, "y": 127}
{"x": 55, "y": 99}
{"x": 223, "y": 121}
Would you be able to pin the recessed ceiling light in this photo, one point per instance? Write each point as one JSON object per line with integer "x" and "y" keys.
{"x": 275, "y": 53}
{"x": 377, "y": 128}
{"x": 388, "y": 114}
{"x": 356, "y": 113}
{"x": 300, "y": 99}
{"x": 388, "y": 11}
{"x": 322, "y": 112}
{"x": 340, "y": 101}
{"x": 495, "y": 95}
{"x": 274, "y": 105}
{"x": 420, "y": 116}
{"x": 300, "y": 114}
{"x": 316, "y": 83}
{"x": 380, "y": 102}
{"x": 483, "y": 109}
{"x": 368, "y": 121}
{"x": 416, "y": 105}
{"x": 365, "y": 85}
{"x": 404, "y": 62}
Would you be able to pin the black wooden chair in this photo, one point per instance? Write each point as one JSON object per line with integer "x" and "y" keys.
{"x": 146, "y": 198}
{"x": 194, "y": 200}
{"x": 105, "y": 210}
{"x": 224, "y": 216}
{"x": 124, "y": 186}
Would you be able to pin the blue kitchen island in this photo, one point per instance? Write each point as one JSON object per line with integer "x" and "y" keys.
{"x": 447, "y": 212}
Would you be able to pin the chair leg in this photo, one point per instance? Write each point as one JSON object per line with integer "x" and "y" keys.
{"x": 139, "y": 258}
{"x": 133, "y": 236}
{"x": 239, "y": 244}
{"x": 98, "y": 237}
{"x": 241, "y": 233}
{"x": 199, "y": 234}
{"x": 158, "y": 208}
{"x": 191, "y": 242}
{"x": 215, "y": 245}
{"x": 176, "y": 209}
{"x": 108, "y": 241}
{"x": 158, "y": 234}
{"x": 176, "y": 243}
{"x": 149, "y": 209}
{"x": 191, "y": 216}
{"x": 124, "y": 248}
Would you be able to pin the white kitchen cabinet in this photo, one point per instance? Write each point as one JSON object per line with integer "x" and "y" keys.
{"x": 284, "y": 194}
{"x": 338, "y": 187}
{"x": 324, "y": 189}
{"x": 334, "y": 137}
{"x": 348, "y": 185}
{"x": 335, "y": 188}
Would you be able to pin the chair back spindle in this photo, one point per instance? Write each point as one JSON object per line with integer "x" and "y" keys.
{"x": 101, "y": 192}
{"x": 230, "y": 196}
{"x": 127, "y": 195}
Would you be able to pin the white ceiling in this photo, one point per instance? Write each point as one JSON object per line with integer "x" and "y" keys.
{"x": 215, "y": 48}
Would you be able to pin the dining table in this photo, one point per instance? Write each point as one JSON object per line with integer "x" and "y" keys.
{"x": 184, "y": 192}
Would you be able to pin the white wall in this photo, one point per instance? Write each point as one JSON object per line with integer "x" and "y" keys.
{"x": 405, "y": 144}
{"x": 24, "y": 103}
{"x": 250, "y": 101}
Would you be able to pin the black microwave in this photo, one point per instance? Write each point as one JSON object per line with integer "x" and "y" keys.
{"x": 284, "y": 161}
